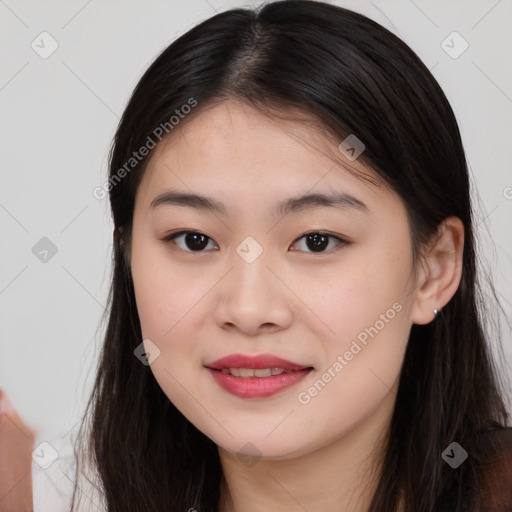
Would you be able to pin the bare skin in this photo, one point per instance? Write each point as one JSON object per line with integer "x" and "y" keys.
{"x": 315, "y": 451}
{"x": 16, "y": 445}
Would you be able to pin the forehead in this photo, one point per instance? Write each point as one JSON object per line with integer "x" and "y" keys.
{"x": 232, "y": 150}
{"x": 235, "y": 129}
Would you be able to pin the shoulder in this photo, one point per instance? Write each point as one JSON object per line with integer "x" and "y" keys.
{"x": 492, "y": 450}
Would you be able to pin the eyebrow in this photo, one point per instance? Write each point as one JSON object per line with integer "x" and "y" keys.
{"x": 305, "y": 202}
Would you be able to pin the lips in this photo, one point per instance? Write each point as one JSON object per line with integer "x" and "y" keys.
{"x": 248, "y": 376}
{"x": 254, "y": 362}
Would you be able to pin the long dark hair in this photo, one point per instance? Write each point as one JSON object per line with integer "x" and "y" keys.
{"x": 354, "y": 77}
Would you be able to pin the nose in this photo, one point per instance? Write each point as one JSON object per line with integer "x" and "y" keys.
{"x": 254, "y": 298}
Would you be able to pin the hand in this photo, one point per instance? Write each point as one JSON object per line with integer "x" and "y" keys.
{"x": 16, "y": 446}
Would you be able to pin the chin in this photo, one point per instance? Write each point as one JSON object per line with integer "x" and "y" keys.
{"x": 251, "y": 451}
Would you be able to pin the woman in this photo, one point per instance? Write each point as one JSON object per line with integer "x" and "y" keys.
{"x": 294, "y": 321}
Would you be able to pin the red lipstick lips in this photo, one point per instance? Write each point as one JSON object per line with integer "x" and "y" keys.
{"x": 256, "y": 376}
{"x": 261, "y": 361}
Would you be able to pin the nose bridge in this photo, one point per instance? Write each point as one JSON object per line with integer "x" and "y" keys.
{"x": 250, "y": 249}
{"x": 252, "y": 296}
{"x": 250, "y": 262}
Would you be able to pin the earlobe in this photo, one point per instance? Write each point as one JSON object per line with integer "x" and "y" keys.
{"x": 440, "y": 271}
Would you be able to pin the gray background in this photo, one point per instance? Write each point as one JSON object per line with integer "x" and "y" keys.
{"x": 59, "y": 114}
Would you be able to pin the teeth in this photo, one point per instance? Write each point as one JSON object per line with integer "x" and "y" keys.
{"x": 243, "y": 372}
{"x": 267, "y": 372}
{"x": 250, "y": 372}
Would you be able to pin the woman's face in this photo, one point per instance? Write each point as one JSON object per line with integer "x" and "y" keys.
{"x": 250, "y": 283}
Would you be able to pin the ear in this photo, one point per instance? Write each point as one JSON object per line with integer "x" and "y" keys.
{"x": 440, "y": 271}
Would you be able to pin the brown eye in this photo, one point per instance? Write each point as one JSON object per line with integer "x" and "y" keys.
{"x": 193, "y": 241}
{"x": 317, "y": 242}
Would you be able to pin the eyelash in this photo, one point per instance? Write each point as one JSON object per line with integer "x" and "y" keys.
{"x": 342, "y": 241}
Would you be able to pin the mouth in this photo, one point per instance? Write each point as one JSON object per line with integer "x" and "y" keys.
{"x": 246, "y": 373}
{"x": 259, "y": 362}
{"x": 256, "y": 376}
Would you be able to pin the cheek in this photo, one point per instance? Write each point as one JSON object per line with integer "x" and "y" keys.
{"x": 360, "y": 295}
{"x": 166, "y": 295}
{"x": 367, "y": 310}
{"x": 171, "y": 308}
{"x": 166, "y": 305}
